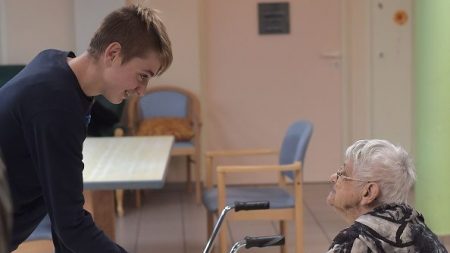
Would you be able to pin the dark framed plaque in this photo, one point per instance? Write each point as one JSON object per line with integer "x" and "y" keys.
{"x": 273, "y": 18}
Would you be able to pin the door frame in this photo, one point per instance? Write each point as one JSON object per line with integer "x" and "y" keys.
{"x": 356, "y": 85}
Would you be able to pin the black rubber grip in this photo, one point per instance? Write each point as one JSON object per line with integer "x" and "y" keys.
{"x": 264, "y": 241}
{"x": 251, "y": 205}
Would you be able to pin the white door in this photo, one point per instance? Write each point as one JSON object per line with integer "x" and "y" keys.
{"x": 379, "y": 89}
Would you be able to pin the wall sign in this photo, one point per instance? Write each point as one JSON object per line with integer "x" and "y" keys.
{"x": 273, "y": 18}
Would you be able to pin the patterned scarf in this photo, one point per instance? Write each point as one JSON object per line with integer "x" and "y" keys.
{"x": 388, "y": 228}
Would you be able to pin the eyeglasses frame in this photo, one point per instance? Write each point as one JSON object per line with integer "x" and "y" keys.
{"x": 340, "y": 172}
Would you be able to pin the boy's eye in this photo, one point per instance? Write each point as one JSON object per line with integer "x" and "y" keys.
{"x": 143, "y": 77}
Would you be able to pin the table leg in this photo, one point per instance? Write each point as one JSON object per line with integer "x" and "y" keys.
{"x": 101, "y": 205}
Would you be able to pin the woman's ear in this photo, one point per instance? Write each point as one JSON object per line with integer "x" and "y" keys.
{"x": 370, "y": 193}
{"x": 112, "y": 53}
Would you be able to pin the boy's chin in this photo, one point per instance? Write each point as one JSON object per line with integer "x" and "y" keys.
{"x": 115, "y": 100}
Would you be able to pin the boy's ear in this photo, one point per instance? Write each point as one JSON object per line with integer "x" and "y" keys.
{"x": 112, "y": 53}
{"x": 370, "y": 193}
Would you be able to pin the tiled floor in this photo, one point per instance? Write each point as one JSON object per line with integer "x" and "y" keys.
{"x": 169, "y": 221}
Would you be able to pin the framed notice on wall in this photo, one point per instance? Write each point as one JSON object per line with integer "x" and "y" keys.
{"x": 273, "y": 18}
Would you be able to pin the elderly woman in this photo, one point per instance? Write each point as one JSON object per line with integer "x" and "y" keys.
{"x": 371, "y": 190}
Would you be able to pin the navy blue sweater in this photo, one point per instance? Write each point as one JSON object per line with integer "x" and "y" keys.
{"x": 43, "y": 121}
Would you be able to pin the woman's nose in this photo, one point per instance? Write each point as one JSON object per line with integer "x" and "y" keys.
{"x": 333, "y": 178}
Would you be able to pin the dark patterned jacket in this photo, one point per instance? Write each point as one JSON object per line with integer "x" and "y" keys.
{"x": 388, "y": 228}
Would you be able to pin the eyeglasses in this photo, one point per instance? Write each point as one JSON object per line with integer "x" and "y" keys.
{"x": 340, "y": 173}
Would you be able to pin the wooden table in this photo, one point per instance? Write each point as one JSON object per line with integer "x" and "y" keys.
{"x": 112, "y": 163}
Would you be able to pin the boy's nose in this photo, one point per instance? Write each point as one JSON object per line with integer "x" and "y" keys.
{"x": 140, "y": 90}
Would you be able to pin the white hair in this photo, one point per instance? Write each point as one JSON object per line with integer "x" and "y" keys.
{"x": 386, "y": 164}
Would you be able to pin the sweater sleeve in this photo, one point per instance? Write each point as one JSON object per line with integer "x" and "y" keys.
{"x": 55, "y": 140}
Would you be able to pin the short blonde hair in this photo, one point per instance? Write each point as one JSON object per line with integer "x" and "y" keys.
{"x": 387, "y": 164}
{"x": 138, "y": 30}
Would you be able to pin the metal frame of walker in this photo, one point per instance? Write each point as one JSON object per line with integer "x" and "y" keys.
{"x": 247, "y": 242}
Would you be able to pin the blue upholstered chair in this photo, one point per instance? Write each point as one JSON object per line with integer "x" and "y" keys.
{"x": 180, "y": 107}
{"x": 286, "y": 200}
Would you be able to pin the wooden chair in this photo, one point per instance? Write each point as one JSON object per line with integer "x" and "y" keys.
{"x": 285, "y": 205}
{"x": 171, "y": 103}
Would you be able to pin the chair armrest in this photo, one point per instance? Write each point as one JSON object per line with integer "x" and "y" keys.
{"x": 211, "y": 155}
{"x": 120, "y": 130}
{"x": 258, "y": 168}
{"x": 222, "y": 170}
{"x": 241, "y": 152}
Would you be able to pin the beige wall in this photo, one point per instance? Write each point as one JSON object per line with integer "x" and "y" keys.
{"x": 88, "y": 16}
{"x": 182, "y": 21}
{"x": 257, "y": 85}
{"x": 29, "y": 28}
{"x": 252, "y": 86}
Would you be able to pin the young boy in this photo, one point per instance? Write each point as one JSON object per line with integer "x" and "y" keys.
{"x": 44, "y": 113}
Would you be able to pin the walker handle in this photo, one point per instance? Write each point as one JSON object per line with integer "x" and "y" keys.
{"x": 264, "y": 241}
{"x": 251, "y": 205}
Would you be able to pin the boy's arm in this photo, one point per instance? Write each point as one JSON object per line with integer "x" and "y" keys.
{"x": 55, "y": 140}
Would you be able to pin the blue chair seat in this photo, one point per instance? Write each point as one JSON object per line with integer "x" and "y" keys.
{"x": 183, "y": 144}
{"x": 43, "y": 231}
{"x": 277, "y": 197}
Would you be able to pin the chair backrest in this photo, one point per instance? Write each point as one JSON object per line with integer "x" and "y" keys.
{"x": 295, "y": 144}
{"x": 164, "y": 104}
{"x": 164, "y": 101}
